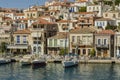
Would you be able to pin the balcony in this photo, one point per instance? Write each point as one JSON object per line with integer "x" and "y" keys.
{"x": 82, "y": 44}
{"x": 102, "y": 45}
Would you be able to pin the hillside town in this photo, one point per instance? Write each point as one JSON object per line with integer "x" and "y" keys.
{"x": 84, "y": 27}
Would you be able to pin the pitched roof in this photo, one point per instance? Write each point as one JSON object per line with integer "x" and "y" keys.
{"x": 103, "y": 19}
{"x": 42, "y": 21}
{"x": 25, "y": 31}
{"x": 19, "y": 14}
{"x": 106, "y": 32}
{"x": 60, "y": 35}
{"x": 83, "y": 30}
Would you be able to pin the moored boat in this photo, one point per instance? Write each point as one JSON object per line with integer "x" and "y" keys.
{"x": 26, "y": 60}
{"x": 70, "y": 61}
{"x": 4, "y": 61}
{"x": 38, "y": 63}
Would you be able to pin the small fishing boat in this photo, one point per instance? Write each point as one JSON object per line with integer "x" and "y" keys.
{"x": 39, "y": 62}
{"x": 26, "y": 60}
{"x": 70, "y": 61}
{"x": 4, "y": 60}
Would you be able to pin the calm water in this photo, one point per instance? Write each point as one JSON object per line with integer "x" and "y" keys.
{"x": 57, "y": 72}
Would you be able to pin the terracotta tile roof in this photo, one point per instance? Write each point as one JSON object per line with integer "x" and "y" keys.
{"x": 103, "y": 19}
{"x": 25, "y": 31}
{"x": 19, "y": 14}
{"x": 53, "y": 11}
{"x": 59, "y": 4}
{"x": 83, "y": 30}
{"x": 31, "y": 11}
{"x": 7, "y": 18}
{"x": 24, "y": 19}
{"x": 42, "y": 21}
{"x": 60, "y": 35}
{"x": 81, "y": 1}
{"x": 106, "y": 32}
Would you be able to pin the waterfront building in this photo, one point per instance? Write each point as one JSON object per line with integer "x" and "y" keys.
{"x": 40, "y": 31}
{"x": 5, "y": 29}
{"x": 57, "y": 43}
{"x": 21, "y": 42}
{"x": 82, "y": 40}
{"x": 104, "y": 43}
{"x": 4, "y": 36}
{"x": 117, "y": 44}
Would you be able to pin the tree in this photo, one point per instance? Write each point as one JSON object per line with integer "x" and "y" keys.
{"x": 82, "y": 9}
{"x": 62, "y": 51}
{"x": 92, "y": 52}
{"x": 3, "y": 47}
{"x": 110, "y": 27}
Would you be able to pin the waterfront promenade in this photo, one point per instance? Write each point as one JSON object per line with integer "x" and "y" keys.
{"x": 81, "y": 60}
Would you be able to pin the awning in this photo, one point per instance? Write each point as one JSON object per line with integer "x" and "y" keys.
{"x": 17, "y": 47}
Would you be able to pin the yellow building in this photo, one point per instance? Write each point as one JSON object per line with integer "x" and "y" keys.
{"x": 82, "y": 41}
{"x": 21, "y": 42}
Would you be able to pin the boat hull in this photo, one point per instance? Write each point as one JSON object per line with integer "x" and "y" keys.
{"x": 4, "y": 61}
{"x": 37, "y": 64}
{"x": 69, "y": 63}
{"x": 25, "y": 63}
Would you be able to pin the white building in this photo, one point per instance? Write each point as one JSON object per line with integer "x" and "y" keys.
{"x": 103, "y": 22}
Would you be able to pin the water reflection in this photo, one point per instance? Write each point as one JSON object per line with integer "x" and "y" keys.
{"x": 57, "y": 72}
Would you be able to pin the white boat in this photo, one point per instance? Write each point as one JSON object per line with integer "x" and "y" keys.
{"x": 26, "y": 60}
{"x": 57, "y": 59}
{"x": 70, "y": 62}
{"x": 4, "y": 61}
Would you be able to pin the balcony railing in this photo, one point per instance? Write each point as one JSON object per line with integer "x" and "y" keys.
{"x": 82, "y": 44}
{"x": 102, "y": 45}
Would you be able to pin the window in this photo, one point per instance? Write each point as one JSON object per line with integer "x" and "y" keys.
{"x": 50, "y": 42}
{"x": 99, "y": 41}
{"x": 73, "y": 38}
{"x": 34, "y": 49}
{"x": 103, "y": 24}
{"x": 61, "y": 43}
{"x": 39, "y": 49}
{"x": 33, "y": 14}
{"x": 84, "y": 51}
{"x": 114, "y": 16}
{"x": 24, "y": 39}
{"x": 89, "y": 8}
{"x": 55, "y": 42}
{"x": 105, "y": 41}
{"x": 93, "y": 8}
{"x": 88, "y": 51}
{"x": 78, "y": 39}
{"x": 18, "y": 39}
{"x": 106, "y": 15}
{"x": 119, "y": 15}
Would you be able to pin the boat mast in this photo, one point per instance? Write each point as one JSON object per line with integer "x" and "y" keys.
{"x": 65, "y": 1}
